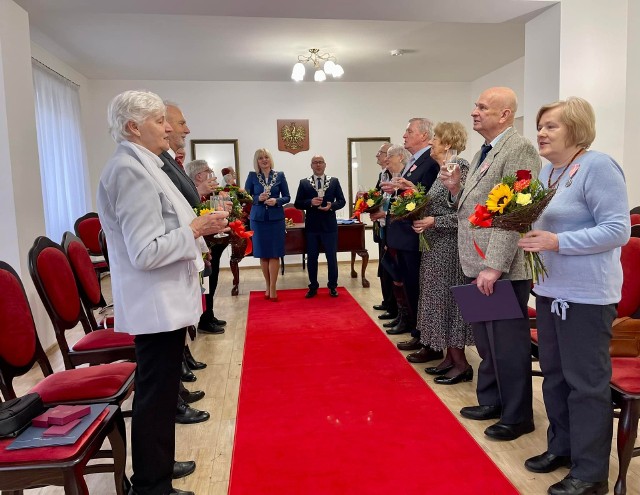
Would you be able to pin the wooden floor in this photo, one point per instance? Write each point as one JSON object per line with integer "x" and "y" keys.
{"x": 211, "y": 443}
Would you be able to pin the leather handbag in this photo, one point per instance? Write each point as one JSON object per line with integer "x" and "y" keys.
{"x": 16, "y": 414}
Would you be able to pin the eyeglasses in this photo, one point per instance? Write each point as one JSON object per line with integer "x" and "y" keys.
{"x": 317, "y": 162}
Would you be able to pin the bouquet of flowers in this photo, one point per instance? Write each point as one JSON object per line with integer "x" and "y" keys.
{"x": 236, "y": 217}
{"x": 236, "y": 192}
{"x": 410, "y": 205}
{"x": 514, "y": 204}
{"x": 367, "y": 202}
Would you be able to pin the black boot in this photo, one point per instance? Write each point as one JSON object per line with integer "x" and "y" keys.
{"x": 404, "y": 323}
{"x": 186, "y": 374}
{"x": 191, "y": 362}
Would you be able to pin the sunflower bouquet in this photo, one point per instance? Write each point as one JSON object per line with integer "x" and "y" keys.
{"x": 368, "y": 202}
{"x": 514, "y": 204}
{"x": 410, "y": 205}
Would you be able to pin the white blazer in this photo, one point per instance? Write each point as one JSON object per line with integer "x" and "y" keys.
{"x": 154, "y": 281}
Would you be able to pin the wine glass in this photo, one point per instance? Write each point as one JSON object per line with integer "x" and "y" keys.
{"x": 216, "y": 203}
{"x": 451, "y": 159}
{"x": 395, "y": 176}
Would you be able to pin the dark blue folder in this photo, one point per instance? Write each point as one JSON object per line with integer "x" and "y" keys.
{"x": 475, "y": 306}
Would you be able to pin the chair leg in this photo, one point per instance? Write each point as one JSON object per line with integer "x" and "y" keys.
{"x": 282, "y": 265}
{"x": 304, "y": 262}
{"x": 627, "y": 432}
{"x": 74, "y": 482}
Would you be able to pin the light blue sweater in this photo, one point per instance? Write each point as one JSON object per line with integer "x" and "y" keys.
{"x": 591, "y": 218}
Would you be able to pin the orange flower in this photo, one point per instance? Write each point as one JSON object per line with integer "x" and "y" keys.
{"x": 521, "y": 185}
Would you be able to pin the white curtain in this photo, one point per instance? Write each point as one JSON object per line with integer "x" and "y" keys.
{"x": 63, "y": 166}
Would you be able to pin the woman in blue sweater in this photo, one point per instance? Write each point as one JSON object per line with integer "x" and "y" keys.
{"x": 579, "y": 235}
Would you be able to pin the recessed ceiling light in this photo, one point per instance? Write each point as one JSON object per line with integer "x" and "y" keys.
{"x": 397, "y": 53}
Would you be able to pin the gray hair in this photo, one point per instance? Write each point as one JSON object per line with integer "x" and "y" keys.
{"x": 424, "y": 125}
{"x": 136, "y": 106}
{"x": 195, "y": 167}
{"x": 398, "y": 149}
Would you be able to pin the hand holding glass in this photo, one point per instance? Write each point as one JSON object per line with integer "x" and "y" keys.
{"x": 451, "y": 160}
{"x": 395, "y": 179}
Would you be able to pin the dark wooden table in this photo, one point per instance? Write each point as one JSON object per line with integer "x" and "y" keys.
{"x": 350, "y": 239}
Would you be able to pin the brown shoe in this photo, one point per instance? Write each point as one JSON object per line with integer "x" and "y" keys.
{"x": 409, "y": 345}
{"x": 425, "y": 355}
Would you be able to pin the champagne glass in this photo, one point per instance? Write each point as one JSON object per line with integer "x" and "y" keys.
{"x": 451, "y": 159}
{"x": 395, "y": 176}
{"x": 216, "y": 203}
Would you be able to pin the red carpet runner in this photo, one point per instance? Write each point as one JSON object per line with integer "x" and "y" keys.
{"x": 328, "y": 407}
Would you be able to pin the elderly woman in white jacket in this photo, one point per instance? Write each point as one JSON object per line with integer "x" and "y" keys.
{"x": 155, "y": 254}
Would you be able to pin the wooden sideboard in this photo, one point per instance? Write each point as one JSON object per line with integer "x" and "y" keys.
{"x": 350, "y": 239}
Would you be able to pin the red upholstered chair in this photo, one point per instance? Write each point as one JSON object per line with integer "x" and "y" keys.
{"x": 87, "y": 228}
{"x": 86, "y": 279}
{"x": 102, "y": 239}
{"x": 297, "y": 216}
{"x": 635, "y": 218}
{"x": 635, "y": 230}
{"x": 66, "y": 465}
{"x": 635, "y": 210}
{"x": 54, "y": 280}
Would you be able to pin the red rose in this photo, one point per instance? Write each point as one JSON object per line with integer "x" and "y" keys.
{"x": 481, "y": 217}
{"x": 523, "y": 174}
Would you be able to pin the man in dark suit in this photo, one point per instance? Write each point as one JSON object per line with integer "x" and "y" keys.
{"x": 320, "y": 196}
{"x": 185, "y": 414}
{"x": 403, "y": 241}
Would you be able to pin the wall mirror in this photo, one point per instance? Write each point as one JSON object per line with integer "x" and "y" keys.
{"x": 362, "y": 166}
{"x": 219, "y": 153}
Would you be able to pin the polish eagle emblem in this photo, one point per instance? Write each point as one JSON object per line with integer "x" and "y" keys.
{"x": 293, "y": 135}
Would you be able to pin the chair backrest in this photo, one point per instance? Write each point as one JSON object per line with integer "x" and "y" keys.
{"x": 635, "y": 210}
{"x": 630, "y": 259}
{"x": 102, "y": 239}
{"x": 294, "y": 214}
{"x": 20, "y": 347}
{"x": 86, "y": 279}
{"x": 55, "y": 282}
{"x": 86, "y": 228}
{"x": 635, "y": 218}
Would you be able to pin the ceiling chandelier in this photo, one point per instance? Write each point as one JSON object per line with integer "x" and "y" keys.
{"x": 328, "y": 62}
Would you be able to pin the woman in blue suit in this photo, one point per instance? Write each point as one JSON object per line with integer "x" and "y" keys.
{"x": 270, "y": 193}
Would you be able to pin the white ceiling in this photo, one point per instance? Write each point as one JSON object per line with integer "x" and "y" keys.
{"x": 260, "y": 40}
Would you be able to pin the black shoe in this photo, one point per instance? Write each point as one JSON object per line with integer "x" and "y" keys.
{"x": 186, "y": 415}
{"x": 333, "y": 292}
{"x": 501, "y": 431}
{"x": 210, "y": 327}
{"x": 480, "y": 413}
{"x": 218, "y": 322}
{"x": 409, "y": 345}
{"x": 311, "y": 293}
{"x": 186, "y": 374}
{"x": 424, "y": 355}
{"x": 177, "y": 491}
{"x": 191, "y": 397}
{"x": 547, "y": 462}
{"x": 574, "y": 486}
{"x": 191, "y": 361}
{"x": 437, "y": 371}
{"x": 380, "y": 307}
{"x": 182, "y": 469}
{"x": 465, "y": 376}
{"x": 400, "y": 328}
{"x": 388, "y": 316}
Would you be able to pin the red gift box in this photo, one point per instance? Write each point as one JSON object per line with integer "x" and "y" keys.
{"x": 61, "y": 430}
{"x": 61, "y": 415}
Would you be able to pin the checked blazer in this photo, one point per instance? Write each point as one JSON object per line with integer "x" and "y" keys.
{"x": 511, "y": 153}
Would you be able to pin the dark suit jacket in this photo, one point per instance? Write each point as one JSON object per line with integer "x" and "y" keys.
{"x": 180, "y": 178}
{"x": 399, "y": 233}
{"x": 318, "y": 220}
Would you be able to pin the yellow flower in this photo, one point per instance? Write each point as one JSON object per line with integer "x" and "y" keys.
{"x": 411, "y": 206}
{"x": 206, "y": 211}
{"x": 523, "y": 199}
{"x": 370, "y": 202}
{"x": 499, "y": 197}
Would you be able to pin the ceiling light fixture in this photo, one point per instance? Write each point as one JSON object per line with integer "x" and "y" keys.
{"x": 328, "y": 62}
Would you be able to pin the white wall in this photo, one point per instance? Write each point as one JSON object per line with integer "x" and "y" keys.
{"x": 632, "y": 122}
{"x": 248, "y": 111}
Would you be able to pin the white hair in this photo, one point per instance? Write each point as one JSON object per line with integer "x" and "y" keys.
{"x": 195, "y": 167}
{"x": 398, "y": 149}
{"x": 136, "y": 106}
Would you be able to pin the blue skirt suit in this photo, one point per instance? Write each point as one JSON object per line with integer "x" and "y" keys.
{"x": 267, "y": 222}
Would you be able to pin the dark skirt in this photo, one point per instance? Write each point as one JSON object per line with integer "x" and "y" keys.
{"x": 268, "y": 238}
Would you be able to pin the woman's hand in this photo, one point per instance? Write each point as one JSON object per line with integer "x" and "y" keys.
{"x": 377, "y": 215}
{"x": 421, "y": 225}
{"x": 263, "y": 197}
{"x": 450, "y": 180}
{"x": 486, "y": 279}
{"x": 539, "y": 240}
{"x": 212, "y": 223}
{"x": 270, "y": 202}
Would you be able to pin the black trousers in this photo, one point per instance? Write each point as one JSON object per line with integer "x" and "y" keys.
{"x": 575, "y": 362}
{"x": 216, "y": 253}
{"x": 329, "y": 241}
{"x": 504, "y": 374}
{"x": 409, "y": 267}
{"x": 386, "y": 283}
{"x": 153, "y": 428}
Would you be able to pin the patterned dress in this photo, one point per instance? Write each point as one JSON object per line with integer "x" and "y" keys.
{"x": 439, "y": 320}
